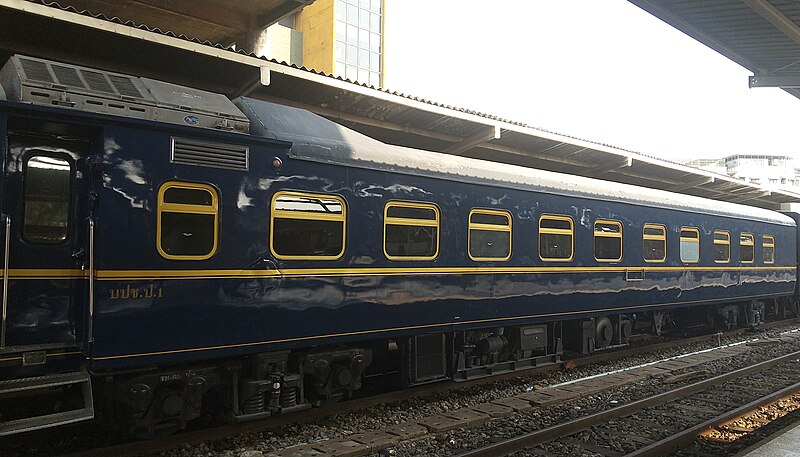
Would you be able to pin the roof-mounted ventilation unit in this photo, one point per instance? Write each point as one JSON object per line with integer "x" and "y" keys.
{"x": 43, "y": 82}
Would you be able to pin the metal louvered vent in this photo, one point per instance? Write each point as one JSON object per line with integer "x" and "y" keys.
{"x": 125, "y": 86}
{"x": 36, "y": 70}
{"x": 97, "y": 81}
{"x": 67, "y": 76}
{"x": 214, "y": 155}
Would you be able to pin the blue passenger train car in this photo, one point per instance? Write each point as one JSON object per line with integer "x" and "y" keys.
{"x": 170, "y": 253}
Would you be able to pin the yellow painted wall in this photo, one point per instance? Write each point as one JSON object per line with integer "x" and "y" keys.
{"x": 316, "y": 22}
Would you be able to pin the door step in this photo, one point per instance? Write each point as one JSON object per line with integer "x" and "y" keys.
{"x": 29, "y": 387}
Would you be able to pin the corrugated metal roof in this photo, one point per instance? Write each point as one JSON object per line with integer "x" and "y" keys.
{"x": 214, "y": 21}
{"x": 318, "y": 139}
{"x": 91, "y": 39}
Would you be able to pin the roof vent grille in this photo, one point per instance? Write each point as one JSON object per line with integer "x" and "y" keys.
{"x": 125, "y": 86}
{"x": 97, "y": 81}
{"x": 36, "y": 70}
{"x": 214, "y": 155}
{"x": 67, "y": 76}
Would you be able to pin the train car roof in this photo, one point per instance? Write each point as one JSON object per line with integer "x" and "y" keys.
{"x": 318, "y": 139}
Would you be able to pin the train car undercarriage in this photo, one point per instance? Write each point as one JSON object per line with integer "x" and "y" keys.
{"x": 161, "y": 401}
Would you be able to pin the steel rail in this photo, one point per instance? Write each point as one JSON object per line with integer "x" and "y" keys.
{"x": 515, "y": 444}
{"x": 687, "y": 437}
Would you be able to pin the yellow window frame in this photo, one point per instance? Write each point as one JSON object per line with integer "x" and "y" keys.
{"x": 662, "y": 237}
{"x": 728, "y": 243}
{"x": 684, "y": 239}
{"x": 164, "y": 207}
{"x": 411, "y": 222}
{"x": 553, "y": 231}
{"x": 770, "y": 244}
{"x": 752, "y": 242}
{"x": 608, "y": 235}
{"x": 489, "y": 227}
{"x": 307, "y": 216}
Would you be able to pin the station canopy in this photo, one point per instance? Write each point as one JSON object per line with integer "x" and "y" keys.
{"x": 760, "y": 35}
{"x": 126, "y": 43}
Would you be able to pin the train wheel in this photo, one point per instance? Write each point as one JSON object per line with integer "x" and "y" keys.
{"x": 603, "y": 331}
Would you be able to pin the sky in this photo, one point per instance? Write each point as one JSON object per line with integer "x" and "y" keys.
{"x": 601, "y": 70}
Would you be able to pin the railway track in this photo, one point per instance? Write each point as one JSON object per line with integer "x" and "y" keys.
{"x": 638, "y": 429}
{"x": 190, "y": 438}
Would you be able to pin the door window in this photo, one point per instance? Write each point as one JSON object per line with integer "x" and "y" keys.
{"x": 47, "y": 199}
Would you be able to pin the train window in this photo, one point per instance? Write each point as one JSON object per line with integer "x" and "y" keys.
{"x": 768, "y": 249}
{"x": 722, "y": 246}
{"x": 410, "y": 231}
{"x": 746, "y": 247}
{"x": 47, "y": 199}
{"x": 307, "y": 226}
{"x": 607, "y": 241}
{"x": 690, "y": 244}
{"x": 489, "y": 235}
{"x": 555, "y": 237}
{"x": 654, "y": 243}
{"x": 187, "y": 223}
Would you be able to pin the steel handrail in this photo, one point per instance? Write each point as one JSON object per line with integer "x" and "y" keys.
{"x": 5, "y": 282}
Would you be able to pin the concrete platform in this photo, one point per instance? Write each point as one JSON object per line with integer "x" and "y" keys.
{"x": 786, "y": 444}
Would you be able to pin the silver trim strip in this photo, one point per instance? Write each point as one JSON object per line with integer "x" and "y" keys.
{"x": 89, "y": 334}
{"x": 5, "y": 281}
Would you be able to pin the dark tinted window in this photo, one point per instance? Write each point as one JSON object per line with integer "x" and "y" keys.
{"x": 411, "y": 241}
{"x": 186, "y": 234}
{"x": 308, "y": 226}
{"x": 722, "y": 246}
{"x": 307, "y": 238}
{"x": 411, "y": 231}
{"x": 411, "y": 212}
{"x": 746, "y": 247}
{"x": 654, "y": 243}
{"x": 47, "y": 200}
{"x": 555, "y": 238}
{"x": 503, "y": 220}
{"x": 608, "y": 241}
{"x": 768, "y": 247}
{"x": 489, "y": 235}
{"x": 187, "y": 196}
{"x": 187, "y": 221}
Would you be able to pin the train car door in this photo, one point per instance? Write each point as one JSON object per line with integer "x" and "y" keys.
{"x": 45, "y": 222}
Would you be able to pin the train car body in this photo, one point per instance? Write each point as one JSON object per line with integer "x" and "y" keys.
{"x": 153, "y": 263}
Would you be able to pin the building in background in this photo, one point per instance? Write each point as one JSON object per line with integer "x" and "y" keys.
{"x": 763, "y": 169}
{"x": 338, "y": 37}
